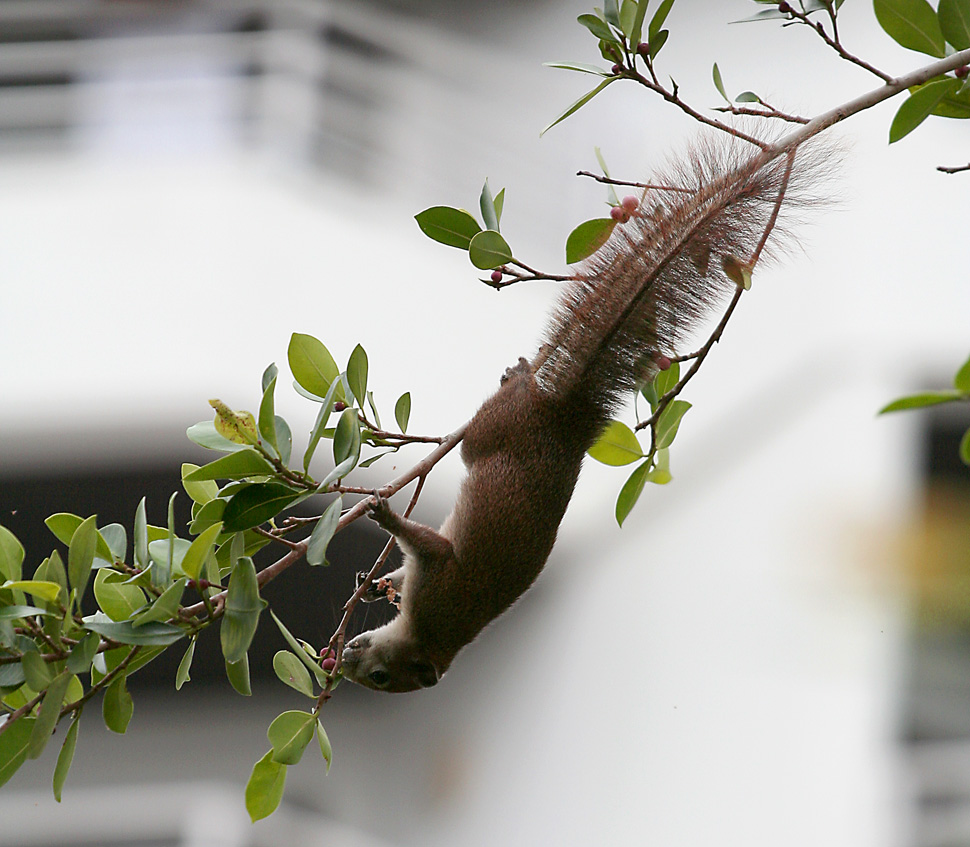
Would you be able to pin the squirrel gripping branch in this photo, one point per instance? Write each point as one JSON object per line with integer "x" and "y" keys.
{"x": 631, "y": 302}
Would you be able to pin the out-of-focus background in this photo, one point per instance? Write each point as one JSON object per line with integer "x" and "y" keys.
{"x": 774, "y": 650}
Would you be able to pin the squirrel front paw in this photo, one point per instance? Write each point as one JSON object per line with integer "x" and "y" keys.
{"x": 379, "y": 589}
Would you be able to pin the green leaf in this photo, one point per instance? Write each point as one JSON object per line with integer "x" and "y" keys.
{"x": 319, "y": 426}
{"x": 16, "y": 612}
{"x": 636, "y": 30}
{"x": 117, "y": 706}
{"x": 44, "y": 590}
{"x": 965, "y": 447}
{"x": 266, "y": 422}
{"x": 582, "y": 101}
{"x": 199, "y": 550}
{"x": 323, "y": 532}
{"x": 141, "y": 535}
{"x": 357, "y": 375}
{"x": 587, "y": 238}
{"x": 325, "y": 749}
{"x": 243, "y": 607}
{"x": 80, "y": 554}
{"x": 64, "y": 758}
{"x": 52, "y": 570}
{"x": 310, "y": 664}
{"x": 311, "y": 363}
{"x": 289, "y": 734}
{"x": 116, "y": 599}
{"x": 449, "y": 226}
{"x": 579, "y": 66}
{"x": 628, "y": 15}
{"x": 265, "y": 787}
{"x": 955, "y": 105}
{"x": 660, "y": 475}
{"x": 657, "y": 42}
{"x": 747, "y": 97}
{"x": 919, "y": 106}
{"x": 165, "y": 607}
{"x": 487, "y": 204}
{"x": 954, "y": 18}
{"x": 256, "y": 504}
{"x": 611, "y": 197}
{"x": 489, "y": 249}
{"x": 36, "y": 671}
{"x": 611, "y": 11}
{"x": 116, "y": 538}
{"x": 598, "y": 27}
{"x": 291, "y": 671}
{"x": 182, "y": 674}
{"x": 208, "y": 515}
{"x": 14, "y": 743}
{"x": 244, "y": 463}
{"x": 499, "y": 203}
{"x": 149, "y": 634}
{"x": 50, "y": 711}
{"x": 12, "y": 555}
{"x": 284, "y": 440}
{"x": 912, "y": 24}
{"x": 719, "y": 84}
{"x": 204, "y": 434}
{"x": 667, "y": 380}
{"x": 961, "y": 381}
{"x": 657, "y": 21}
{"x": 918, "y": 401}
{"x": 669, "y": 422}
{"x": 766, "y": 15}
{"x": 83, "y": 653}
{"x": 237, "y": 427}
{"x": 617, "y": 445}
{"x": 64, "y": 525}
{"x": 402, "y": 410}
{"x": 630, "y": 492}
{"x": 238, "y": 675}
{"x": 346, "y": 437}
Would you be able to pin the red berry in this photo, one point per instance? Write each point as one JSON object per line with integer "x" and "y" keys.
{"x": 619, "y": 214}
{"x": 496, "y": 276}
{"x": 663, "y": 362}
{"x": 643, "y": 49}
{"x": 783, "y": 7}
{"x": 617, "y": 69}
{"x": 339, "y": 406}
{"x": 962, "y": 71}
{"x": 630, "y": 203}
{"x": 329, "y": 664}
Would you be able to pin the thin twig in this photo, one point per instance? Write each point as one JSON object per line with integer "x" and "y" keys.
{"x": 834, "y": 41}
{"x": 610, "y": 181}
{"x": 953, "y": 170}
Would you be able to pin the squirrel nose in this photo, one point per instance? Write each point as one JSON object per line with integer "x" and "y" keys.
{"x": 356, "y": 645}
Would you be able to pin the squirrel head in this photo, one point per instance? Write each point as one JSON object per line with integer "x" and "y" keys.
{"x": 386, "y": 659}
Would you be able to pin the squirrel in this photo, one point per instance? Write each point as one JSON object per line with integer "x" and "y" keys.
{"x": 628, "y": 305}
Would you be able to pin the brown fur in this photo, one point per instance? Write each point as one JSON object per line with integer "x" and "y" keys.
{"x": 632, "y": 300}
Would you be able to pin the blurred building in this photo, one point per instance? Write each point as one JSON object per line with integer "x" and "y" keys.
{"x": 773, "y": 650}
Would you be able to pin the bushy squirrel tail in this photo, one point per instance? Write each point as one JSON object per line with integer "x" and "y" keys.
{"x": 636, "y": 298}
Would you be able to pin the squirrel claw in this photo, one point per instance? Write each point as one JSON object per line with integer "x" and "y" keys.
{"x": 378, "y": 508}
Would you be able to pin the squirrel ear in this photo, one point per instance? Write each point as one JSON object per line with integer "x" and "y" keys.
{"x": 425, "y": 673}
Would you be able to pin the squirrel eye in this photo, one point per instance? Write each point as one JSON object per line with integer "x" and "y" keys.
{"x": 379, "y": 677}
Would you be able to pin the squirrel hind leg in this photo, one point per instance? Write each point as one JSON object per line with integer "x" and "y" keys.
{"x": 523, "y": 366}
